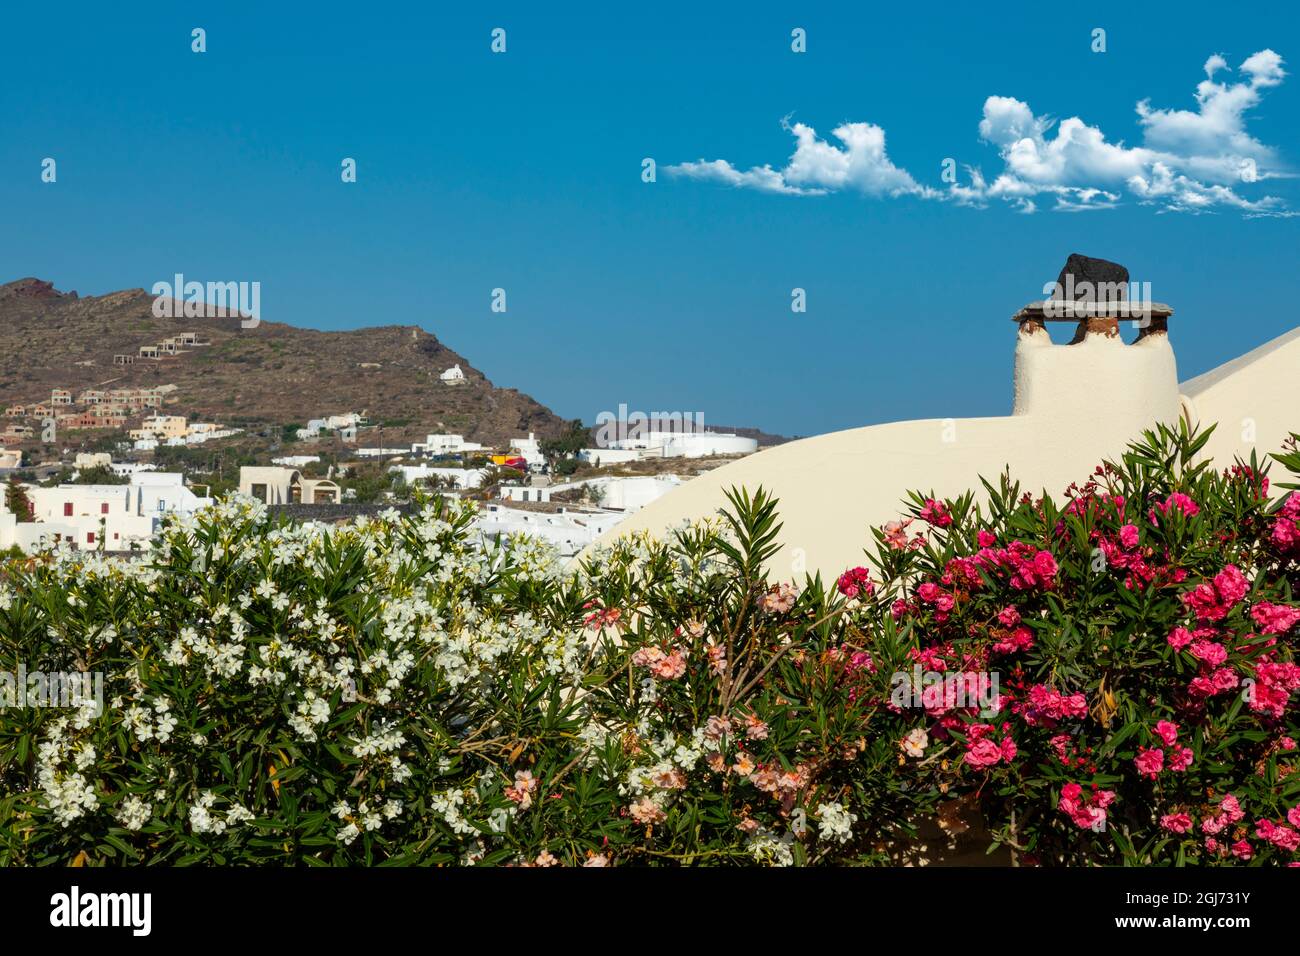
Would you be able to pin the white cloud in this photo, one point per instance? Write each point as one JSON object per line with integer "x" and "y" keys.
{"x": 818, "y": 167}
{"x": 1189, "y": 160}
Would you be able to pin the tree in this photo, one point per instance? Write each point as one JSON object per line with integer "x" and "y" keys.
{"x": 18, "y": 502}
{"x": 576, "y": 438}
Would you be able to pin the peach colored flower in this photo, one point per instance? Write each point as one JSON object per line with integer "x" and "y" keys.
{"x": 672, "y": 779}
{"x": 717, "y": 659}
{"x": 645, "y": 811}
{"x": 522, "y": 792}
{"x": 915, "y": 742}
{"x": 670, "y": 667}
{"x": 755, "y": 729}
{"x": 779, "y": 599}
{"x": 717, "y": 727}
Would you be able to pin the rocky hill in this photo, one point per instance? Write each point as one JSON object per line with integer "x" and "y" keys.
{"x": 273, "y": 374}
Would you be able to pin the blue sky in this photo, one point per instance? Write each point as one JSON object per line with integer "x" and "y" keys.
{"x": 522, "y": 171}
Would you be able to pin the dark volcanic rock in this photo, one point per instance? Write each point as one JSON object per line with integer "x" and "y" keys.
{"x": 1089, "y": 279}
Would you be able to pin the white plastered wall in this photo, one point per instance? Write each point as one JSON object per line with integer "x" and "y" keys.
{"x": 1074, "y": 406}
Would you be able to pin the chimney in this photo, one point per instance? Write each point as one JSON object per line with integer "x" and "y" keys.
{"x": 1096, "y": 381}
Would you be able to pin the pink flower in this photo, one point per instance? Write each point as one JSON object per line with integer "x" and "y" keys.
{"x": 1009, "y": 616}
{"x": 1293, "y": 816}
{"x": 1021, "y": 639}
{"x": 1150, "y": 762}
{"x": 936, "y": 513}
{"x": 1180, "y": 501}
{"x": 854, "y": 582}
{"x": 1274, "y": 683}
{"x": 1180, "y": 758}
{"x": 1179, "y": 638}
{"x": 1209, "y": 652}
{"x": 1241, "y": 850}
{"x": 1045, "y": 706}
{"x": 1045, "y": 565}
{"x": 1167, "y": 731}
{"x": 1176, "y": 822}
{"x": 1282, "y": 837}
{"x": 982, "y": 753}
{"x": 1274, "y": 618}
{"x": 1212, "y": 602}
{"x": 1087, "y": 813}
{"x": 1128, "y": 536}
{"x": 986, "y": 539}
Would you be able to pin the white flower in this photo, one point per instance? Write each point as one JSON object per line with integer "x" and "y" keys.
{"x": 133, "y": 813}
{"x": 834, "y": 822}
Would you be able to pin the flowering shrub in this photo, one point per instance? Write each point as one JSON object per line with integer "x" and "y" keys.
{"x": 1108, "y": 678}
{"x": 286, "y": 694}
{"x": 1143, "y": 630}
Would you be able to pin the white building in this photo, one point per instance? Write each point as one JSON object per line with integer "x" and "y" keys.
{"x": 382, "y": 452}
{"x": 529, "y": 449}
{"x": 461, "y": 478}
{"x": 625, "y": 494}
{"x": 108, "y": 517}
{"x": 89, "y": 460}
{"x": 1074, "y": 406}
{"x": 670, "y": 444}
{"x": 445, "y": 445}
{"x": 568, "y": 531}
{"x": 295, "y": 461}
{"x": 453, "y": 376}
{"x": 285, "y": 486}
{"x": 125, "y": 469}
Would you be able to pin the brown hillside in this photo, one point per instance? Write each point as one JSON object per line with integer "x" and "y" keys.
{"x": 274, "y": 374}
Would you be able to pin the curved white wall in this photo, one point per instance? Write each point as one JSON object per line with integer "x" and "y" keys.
{"x": 1074, "y": 406}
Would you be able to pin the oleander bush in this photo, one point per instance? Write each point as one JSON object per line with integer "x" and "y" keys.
{"x": 1104, "y": 678}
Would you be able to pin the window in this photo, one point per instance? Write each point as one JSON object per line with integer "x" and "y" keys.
{"x": 90, "y": 537}
{"x": 67, "y": 509}
{"x": 103, "y": 508}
